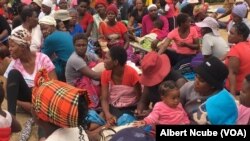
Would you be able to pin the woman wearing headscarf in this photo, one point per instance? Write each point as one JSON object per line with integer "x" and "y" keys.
{"x": 238, "y": 57}
{"x": 114, "y": 32}
{"x": 22, "y": 69}
{"x": 238, "y": 15}
{"x": 148, "y": 22}
{"x": 58, "y": 45}
{"x": 100, "y": 16}
{"x": 47, "y": 9}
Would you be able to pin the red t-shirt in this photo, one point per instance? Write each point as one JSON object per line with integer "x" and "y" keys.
{"x": 86, "y": 20}
{"x": 130, "y": 77}
{"x": 118, "y": 28}
{"x": 240, "y": 51}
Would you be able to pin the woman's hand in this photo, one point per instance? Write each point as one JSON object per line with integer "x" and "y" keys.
{"x": 139, "y": 25}
{"x": 131, "y": 29}
{"x": 110, "y": 119}
{"x": 154, "y": 45}
{"x": 140, "y": 114}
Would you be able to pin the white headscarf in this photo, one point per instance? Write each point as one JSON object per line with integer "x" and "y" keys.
{"x": 48, "y": 3}
{"x": 48, "y": 20}
{"x": 151, "y": 5}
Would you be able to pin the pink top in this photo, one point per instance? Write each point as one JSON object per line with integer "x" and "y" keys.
{"x": 171, "y": 11}
{"x": 174, "y": 35}
{"x": 240, "y": 51}
{"x": 148, "y": 25}
{"x": 42, "y": 61}
{"x": 243, "y": 115}
{"x": 162, "y": 114}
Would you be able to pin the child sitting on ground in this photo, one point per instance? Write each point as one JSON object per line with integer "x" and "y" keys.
{"x": 8, "y": 123}
{"x": 167, "y": 111}
{"x": 155, "y": 34}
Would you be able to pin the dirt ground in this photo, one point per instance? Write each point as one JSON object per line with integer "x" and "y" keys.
{"x": 22, "y": 117}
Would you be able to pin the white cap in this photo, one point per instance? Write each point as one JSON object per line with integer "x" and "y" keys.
{"x": 48, "y": 3}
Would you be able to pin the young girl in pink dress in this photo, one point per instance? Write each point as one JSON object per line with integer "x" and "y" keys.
{"x": 167, "y": 111}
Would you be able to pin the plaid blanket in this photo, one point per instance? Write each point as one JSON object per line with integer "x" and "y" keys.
{"x": 55, "y": 101}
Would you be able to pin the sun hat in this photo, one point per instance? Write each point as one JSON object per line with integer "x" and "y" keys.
{"x": 213, "y": 71}
{"x": 38, "y": 2}
{"x": 47, "y": 20}
{"x": 62, "y": 15}
{"x": 211, "y": 23}
{"x": 155, "y": 68}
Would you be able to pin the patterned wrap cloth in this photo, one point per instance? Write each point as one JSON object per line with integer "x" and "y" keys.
{"x": 21, "y": 37}
{"x": 55, "y": 101}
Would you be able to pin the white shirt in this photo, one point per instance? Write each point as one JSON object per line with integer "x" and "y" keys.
{"x": 214, "y": 45}
{"x": 5, "y": 122}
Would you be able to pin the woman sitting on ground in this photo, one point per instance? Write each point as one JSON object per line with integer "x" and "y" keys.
{"x": 113, "y": 32}
{"x": 185, "y": 42}
{"x": 78, "y": 70}
{"x": 238, "y": 57}
{"x": 120, "y": 88}
{"x": 22, "y": 69}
